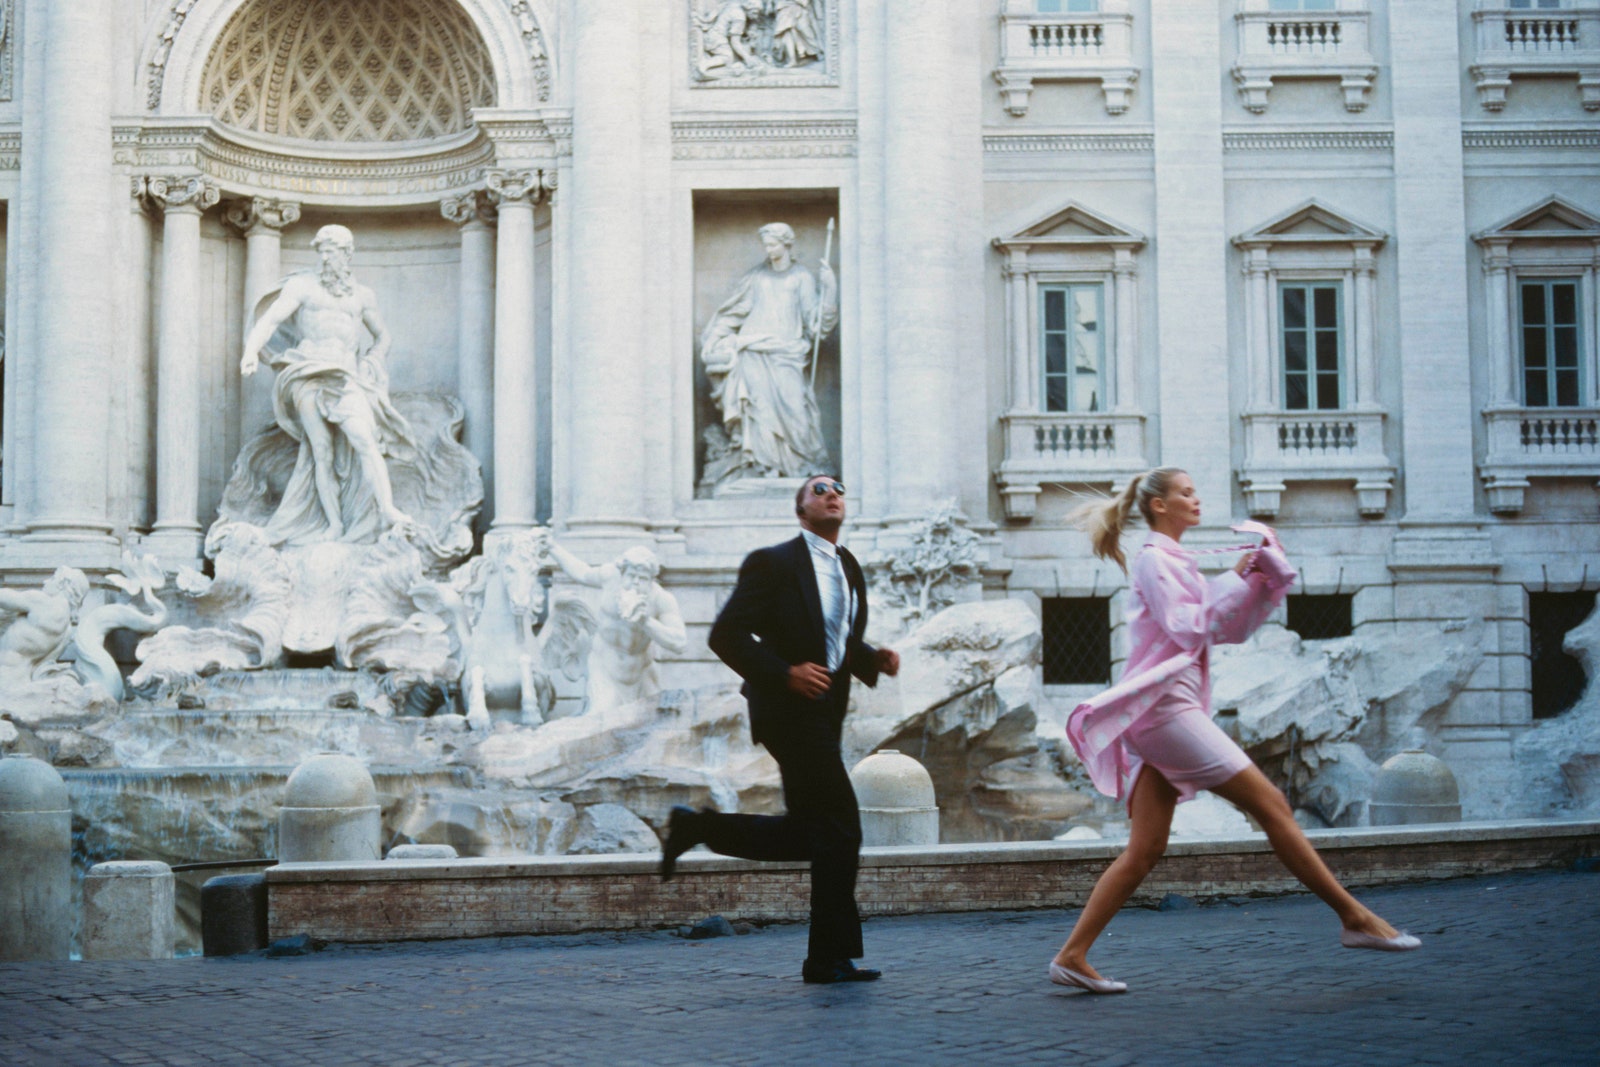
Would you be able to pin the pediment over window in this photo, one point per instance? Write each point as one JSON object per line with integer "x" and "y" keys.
{"x": 1552, "y": 218}
{"x": 1073, "y": 224}
{"x": 1312, "y": 222}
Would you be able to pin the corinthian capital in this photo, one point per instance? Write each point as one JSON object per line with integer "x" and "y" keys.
{"x": 473, "y": 206}
{"x": 513, "y": 184}
{"x": 181, "y": 193}
{"x": 260, "y": 212}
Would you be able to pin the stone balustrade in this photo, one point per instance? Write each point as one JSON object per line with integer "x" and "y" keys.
{"x": 1309, "y": 446}
{"x": 1076, "y": 46}
{"x": 1540, "y": 43}
{"x": 1527, "y": 443}
{"x": 1091, "y": 448}
{"x": 1312, "y": 44}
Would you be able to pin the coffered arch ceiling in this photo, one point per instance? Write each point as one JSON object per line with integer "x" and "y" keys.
{"x": 356, "y": 71}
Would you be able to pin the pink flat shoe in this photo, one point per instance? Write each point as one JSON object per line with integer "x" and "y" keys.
{"x": 1065, "y": 976}
{"x": 1398, "y": 943}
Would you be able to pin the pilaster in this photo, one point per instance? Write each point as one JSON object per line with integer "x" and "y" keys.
{"x": 474, "y": 215}
{"x": 515, "y": 397}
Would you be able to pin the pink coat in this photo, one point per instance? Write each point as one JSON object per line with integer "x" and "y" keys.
{"x": 1174, "y": 618}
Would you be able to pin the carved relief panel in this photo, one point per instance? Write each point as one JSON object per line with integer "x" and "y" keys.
{"x": 763, "y": 43}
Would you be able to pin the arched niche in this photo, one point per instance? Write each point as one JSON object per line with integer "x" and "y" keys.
{"x": 181, "y": 36}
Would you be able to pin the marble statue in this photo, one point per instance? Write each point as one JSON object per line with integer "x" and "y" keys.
{"x": 140, "y": 579}
{"x": 725, "y": 49}
{"x": 746, "y": 40}
{"x": 39, "y": 625}
{"x": 635, "y": 615}
{"x": 796, "y": 32}
{"x": 332, "y": 398}
{"x": 758, "y": 349}
{"x": 243, "y": 610}
{"x": 493, "y": 603}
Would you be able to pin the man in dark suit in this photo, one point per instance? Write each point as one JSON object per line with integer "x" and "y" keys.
{"x": 792, "y": 629}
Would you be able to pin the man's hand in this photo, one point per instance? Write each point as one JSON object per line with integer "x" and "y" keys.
{"x": 888, "y": 662}
{"x": 248, "y": 365}
{"x": 810, "y": 680}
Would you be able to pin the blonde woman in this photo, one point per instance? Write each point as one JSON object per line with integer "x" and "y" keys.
{"x": 1150, "y": 740}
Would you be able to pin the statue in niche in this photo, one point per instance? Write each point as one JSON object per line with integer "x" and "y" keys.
{"x": 636, "y": 614}
{"x": 747, "y": 39}
{"x": 759, "y": 350}
{"x": 332, "y": 399}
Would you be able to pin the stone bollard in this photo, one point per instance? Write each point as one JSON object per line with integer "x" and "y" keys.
{"x": 1414, "y": 787}
{"x": 35, "y": 861}
{"x": 330, "y": 812}
{"x": 128, "y": 911}
{"x": 895, "y": 794}
{"x": 233, "y": 914}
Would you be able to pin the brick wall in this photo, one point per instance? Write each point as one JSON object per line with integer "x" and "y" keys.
{"x": 422, "y": 899}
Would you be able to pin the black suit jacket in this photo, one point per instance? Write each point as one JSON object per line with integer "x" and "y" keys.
{"x": 773, "y": 621}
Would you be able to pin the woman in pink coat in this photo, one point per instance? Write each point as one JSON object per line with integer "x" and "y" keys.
{"x": 1150, "y": 740}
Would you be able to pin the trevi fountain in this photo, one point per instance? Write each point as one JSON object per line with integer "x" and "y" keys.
{"x": 405, "y": 379}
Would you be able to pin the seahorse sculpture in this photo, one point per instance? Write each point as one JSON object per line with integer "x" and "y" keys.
{"x": 141, "y": 577}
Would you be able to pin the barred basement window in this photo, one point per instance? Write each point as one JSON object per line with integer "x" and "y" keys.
{"x": 1558, "y": 679}
{"x": 1317, "y": 617}
{"x": 1077, "y": 640}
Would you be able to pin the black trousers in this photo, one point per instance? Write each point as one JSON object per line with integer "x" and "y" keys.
{"x": 821, "y": 824}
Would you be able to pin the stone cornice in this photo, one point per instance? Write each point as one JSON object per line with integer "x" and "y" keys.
{"x": 764, "y": 138}
{"x": 1521, "y": 137}
{"x": 1069, "y": 141}
{"x": 1308, "y": 139}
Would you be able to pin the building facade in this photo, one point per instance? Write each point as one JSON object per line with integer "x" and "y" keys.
{"x": 1337, "y": 258}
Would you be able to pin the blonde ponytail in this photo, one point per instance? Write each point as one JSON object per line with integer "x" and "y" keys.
{"x": 1105, "y": 519}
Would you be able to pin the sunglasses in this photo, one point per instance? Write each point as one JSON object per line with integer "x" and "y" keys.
{"x": 824, "y": 488}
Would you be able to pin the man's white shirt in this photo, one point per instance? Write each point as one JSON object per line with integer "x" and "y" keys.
{"x": 838, "y": 599}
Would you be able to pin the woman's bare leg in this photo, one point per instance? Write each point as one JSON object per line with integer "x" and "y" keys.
{"x": 1150, "y": 817}
{"x": 1251, "y": 791}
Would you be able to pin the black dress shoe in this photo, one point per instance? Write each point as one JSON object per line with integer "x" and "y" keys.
{"x": 836, "y": 971}
{"x": 681, "y": 837}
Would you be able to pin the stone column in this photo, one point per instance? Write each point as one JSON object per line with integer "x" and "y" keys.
{"x": 932, "y": 248}
{"x": 473, "y": 213}
{"x": 1263, "y": 379}
{"x": 1366, "y": 331}
{"x": 175, "y": 538}
{"x": 515, "y": 395}
{"x": 604, "y": 352}
{"x": 1191, "y": 252}
{"x": 262, "y": 221}
{"x": 1126, "y": 385}
{"x": 1497, "y": 325}
{"x": 1024, "y": 372}
{"x": 71, "y": 405}
{"x": 1430, "y": 234}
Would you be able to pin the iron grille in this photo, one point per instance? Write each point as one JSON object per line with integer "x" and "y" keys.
{"x": 1558, "y": 679}
{"x": 1318, "y": 617}
{"x": 1077, "y": 640}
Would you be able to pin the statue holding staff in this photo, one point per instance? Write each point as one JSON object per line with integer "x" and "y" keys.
{"x": 757, "y": 350}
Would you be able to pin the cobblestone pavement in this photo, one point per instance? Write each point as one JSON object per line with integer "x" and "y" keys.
{"x": 1508, "y": 974}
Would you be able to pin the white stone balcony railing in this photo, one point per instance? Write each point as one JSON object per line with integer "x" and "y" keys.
{"x": 1087, "y": 46}
{"x": 1319, "y": 44}
{"x": 1315, "y": 446}
{"x": 1083, "y": 449}
{"x": 1562, "y": 41}
{"x": 1527, "y": 443}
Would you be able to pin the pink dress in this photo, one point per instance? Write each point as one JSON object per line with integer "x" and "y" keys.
{"x": 1159, "y": 713}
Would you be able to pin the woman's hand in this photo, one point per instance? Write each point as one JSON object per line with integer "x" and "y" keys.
{"x": 1245, "y": 561}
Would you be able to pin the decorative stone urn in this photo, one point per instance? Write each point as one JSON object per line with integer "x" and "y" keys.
{"x": 330, "y": 812}
{"x": 895, "y": 794}
{"x": 1414, "y": 787}
{"x": 35, "y": 861}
